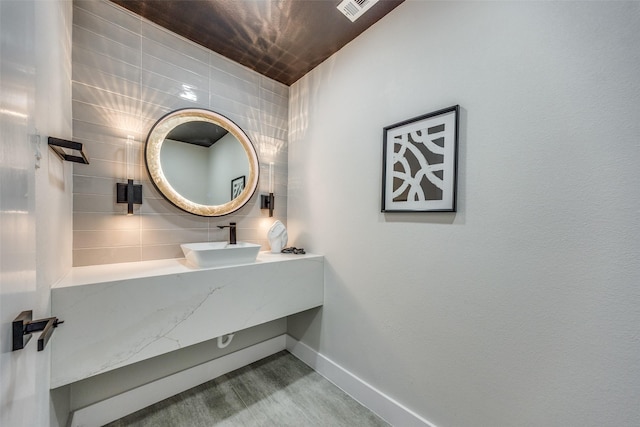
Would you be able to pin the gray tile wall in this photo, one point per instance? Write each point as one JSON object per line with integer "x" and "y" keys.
{"x": 127, "y": 73}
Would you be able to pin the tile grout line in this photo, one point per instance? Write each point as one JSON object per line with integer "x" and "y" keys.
{"x": 246, "y": 407}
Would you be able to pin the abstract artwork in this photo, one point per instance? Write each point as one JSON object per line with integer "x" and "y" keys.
{"x": 419, "y": 164}
{"x": 237, "y": 185}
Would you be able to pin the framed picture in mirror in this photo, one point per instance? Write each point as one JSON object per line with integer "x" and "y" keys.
{"x": 237, "y": 185}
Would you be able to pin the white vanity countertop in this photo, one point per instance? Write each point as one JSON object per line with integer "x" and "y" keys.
{"x": 118, "y": 314}
{"x": 79, "y": 276}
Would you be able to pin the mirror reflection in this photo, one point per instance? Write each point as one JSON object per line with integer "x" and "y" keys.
{"x": 202, "y": 162}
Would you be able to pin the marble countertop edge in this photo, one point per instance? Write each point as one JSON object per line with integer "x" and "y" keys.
{"x": 92, "y": 274}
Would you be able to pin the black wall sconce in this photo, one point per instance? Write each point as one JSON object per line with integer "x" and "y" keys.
{"x": 129, "y": 193}
{"x": 267, "y": 201}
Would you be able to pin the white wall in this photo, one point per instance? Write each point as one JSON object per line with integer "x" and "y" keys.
{"x": 186, "y": 167}
{"x": 227, "y": 161}
{"x": 522, "y": 307}
{"x": 35, "y": 196}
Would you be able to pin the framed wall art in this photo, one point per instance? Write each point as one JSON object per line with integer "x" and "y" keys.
{"x": 237, "y": 185}
{"x": 419, "y": 163}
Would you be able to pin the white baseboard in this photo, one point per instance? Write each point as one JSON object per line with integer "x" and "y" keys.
{"x": 384, "y": 406}
{"x": 131, "y": 401}
{"x": 126, "y": 403}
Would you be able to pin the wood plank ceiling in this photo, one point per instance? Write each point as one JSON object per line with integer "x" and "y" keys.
{"x": 281, "y": 39}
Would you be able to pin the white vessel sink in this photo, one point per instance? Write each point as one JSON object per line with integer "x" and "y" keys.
{"x": 219, "y": 254}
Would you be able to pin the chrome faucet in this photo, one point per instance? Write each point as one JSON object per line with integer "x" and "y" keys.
{"x": 232, "y": 232}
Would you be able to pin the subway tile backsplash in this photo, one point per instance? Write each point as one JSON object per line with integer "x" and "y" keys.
{"x": 127, "y": 73}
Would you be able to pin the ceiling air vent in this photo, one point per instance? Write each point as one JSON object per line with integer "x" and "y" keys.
{"x": 354, "y": 9}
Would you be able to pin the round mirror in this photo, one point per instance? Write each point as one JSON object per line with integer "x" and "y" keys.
{"x": 202, "y": 162}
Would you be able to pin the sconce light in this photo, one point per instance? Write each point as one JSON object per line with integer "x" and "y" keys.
{"x": 129, "y": 193}
{"x": 267, "y": 201}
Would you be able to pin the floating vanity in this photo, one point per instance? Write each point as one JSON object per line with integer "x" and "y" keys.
{"x": 118, "y": 314}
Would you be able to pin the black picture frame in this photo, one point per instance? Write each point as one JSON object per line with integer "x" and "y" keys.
{"x": 237, "y": 186}
{"x": 420, "y": 163}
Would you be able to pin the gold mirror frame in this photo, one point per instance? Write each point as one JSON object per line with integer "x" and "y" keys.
{"x": 154, "y": 142}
